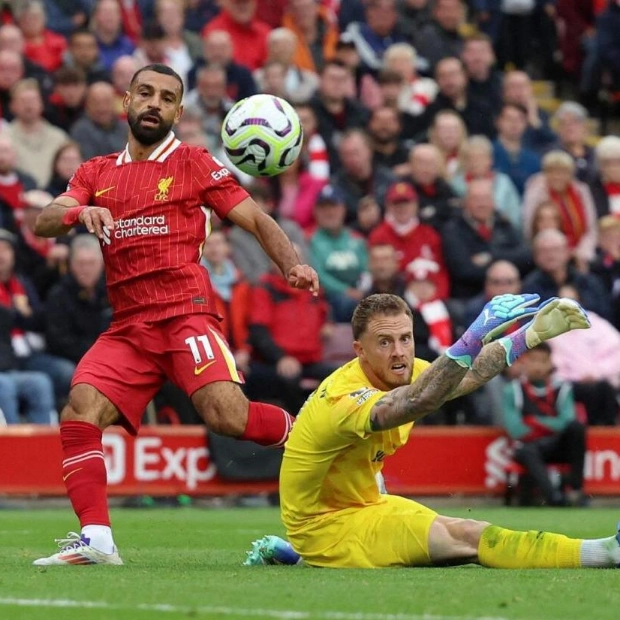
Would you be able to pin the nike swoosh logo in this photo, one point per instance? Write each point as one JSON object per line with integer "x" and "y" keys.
{"x": 101, "y": 192}
{"x": 71, "y": 473}
{"x": 197, "y": 371}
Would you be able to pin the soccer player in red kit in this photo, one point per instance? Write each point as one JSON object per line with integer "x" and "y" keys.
{"x": 150, "y": 206}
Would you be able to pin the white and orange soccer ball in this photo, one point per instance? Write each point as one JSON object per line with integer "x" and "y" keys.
{"x": 262, "y": 135}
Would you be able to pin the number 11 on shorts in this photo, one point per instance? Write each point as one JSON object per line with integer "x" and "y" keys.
{"x": 193, "y": 341}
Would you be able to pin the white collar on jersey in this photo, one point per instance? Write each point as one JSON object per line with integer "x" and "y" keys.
{"x": 160, "y": 154}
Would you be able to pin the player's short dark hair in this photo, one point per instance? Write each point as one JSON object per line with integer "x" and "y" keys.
{"x": 159, "y": 68}
{"x": 371, "y": 306}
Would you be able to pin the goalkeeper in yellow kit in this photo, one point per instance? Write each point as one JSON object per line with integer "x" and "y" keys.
{"x": 331, "y": 506}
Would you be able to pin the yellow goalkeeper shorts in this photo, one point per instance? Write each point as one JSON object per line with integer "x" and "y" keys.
{"x": 393, "y": 532}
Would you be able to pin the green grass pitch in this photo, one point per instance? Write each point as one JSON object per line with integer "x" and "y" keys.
{"x": 186, "y": 563}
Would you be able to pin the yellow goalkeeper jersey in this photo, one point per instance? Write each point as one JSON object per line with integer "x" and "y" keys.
{"x": 331, "y": 456}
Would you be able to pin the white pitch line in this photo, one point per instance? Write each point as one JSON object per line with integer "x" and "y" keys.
{"x": 283, "y": 614}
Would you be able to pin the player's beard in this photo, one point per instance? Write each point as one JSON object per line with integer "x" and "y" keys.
{"x": 148, "y": 136}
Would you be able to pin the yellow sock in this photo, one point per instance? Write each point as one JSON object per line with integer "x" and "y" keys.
{"x": 501, "y": 548}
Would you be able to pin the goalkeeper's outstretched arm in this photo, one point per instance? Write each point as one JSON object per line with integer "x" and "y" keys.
{"x": 447, "y": 378}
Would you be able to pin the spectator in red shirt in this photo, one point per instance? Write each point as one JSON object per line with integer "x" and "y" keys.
{"x": 66, "y": 104}
{"x": 417, "y": 245}
{"x": 286, "y": 350}
{"x": 43, "y": 46}
{"x": 249, "y": 34}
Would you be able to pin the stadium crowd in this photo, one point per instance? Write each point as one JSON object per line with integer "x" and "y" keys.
{"x": 434, "y": 167}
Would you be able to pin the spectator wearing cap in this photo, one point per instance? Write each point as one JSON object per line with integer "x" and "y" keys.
{"x": 31, "y": 391}
{"x": 42, "y": 258}
{"x": 13, "y": 184}
{"x": 606, "y": 265}
{"x": 77, "y": 309}
{"x": 17, "y": 293}
{"x": 571, "y": 124}
{"x": 418, "y": 246}
{"x": 66, "y": 103}
{"x": 339, "y": 255}
{"x": 35, "y": 139}
{"x": 357, "y": 177}
{"x": 479, "y": 236}
{"x": 248, "y": 33}
{"x": 605, "y": 186}
{"x": 43, "y": 46}
{"x": 317, "y": 33}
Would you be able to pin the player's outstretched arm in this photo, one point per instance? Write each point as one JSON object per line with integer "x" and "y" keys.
{"x": 64, "y": 212}
{"x": 449, "y": 375}
{"x": 276, "y": 244}
{"x": 554, "y": 317}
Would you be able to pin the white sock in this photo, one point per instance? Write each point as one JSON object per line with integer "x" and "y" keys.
{"x": 100, "y": 537}
{"x": 600, "y": 553}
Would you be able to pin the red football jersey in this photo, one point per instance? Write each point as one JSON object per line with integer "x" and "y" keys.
{"x": 162, "y": 210}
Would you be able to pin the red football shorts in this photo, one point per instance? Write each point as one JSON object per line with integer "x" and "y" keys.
{"x": 129, "y": 364}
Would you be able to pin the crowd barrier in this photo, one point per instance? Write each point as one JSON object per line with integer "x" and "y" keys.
{"x": 173, "y": 460}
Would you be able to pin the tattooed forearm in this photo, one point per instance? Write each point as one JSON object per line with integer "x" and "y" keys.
{"x": 412, "y": 402}
{"x": 490, "y": 362}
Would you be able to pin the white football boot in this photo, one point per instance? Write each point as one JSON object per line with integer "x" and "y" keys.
{"x": 74, "y": 550}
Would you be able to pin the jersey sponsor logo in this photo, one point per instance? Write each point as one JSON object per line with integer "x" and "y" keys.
{"x": 363, "y": 395}
{"x": 199, "y": 369}
{"x": 218, "y": 175}
{"x": 163, "y": 188}
{"x": 101, "y": 192}
{"x": 141, "y": 226}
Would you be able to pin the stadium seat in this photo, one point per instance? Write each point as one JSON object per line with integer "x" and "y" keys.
{"x": 513, "y": 472}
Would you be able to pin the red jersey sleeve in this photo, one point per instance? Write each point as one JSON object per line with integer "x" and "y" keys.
{"x": 81, "y": 184}
{"x": 218, "y": 188}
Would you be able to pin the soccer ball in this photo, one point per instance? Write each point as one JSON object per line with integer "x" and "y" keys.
{"x": 262, "y": 135}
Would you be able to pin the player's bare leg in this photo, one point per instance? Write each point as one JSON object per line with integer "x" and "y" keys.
{"x": 83, "y": 420}
{"x": 461, "y": 541}
{"x": 226, "y": 411}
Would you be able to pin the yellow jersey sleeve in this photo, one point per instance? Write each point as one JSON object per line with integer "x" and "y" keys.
{"x": 351, "y": 412}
